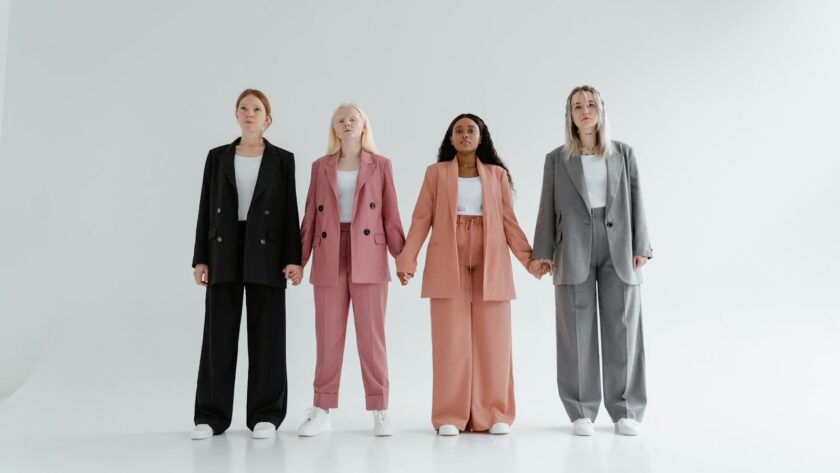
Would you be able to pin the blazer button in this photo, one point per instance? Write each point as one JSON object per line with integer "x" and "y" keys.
{"x": 373, "y": 205}
{"x": 609, "y": 224}
{"x": 366, "y": 232}
{"x": 262, "y": 242}
{"x": 323, "y": 234}
{"x": 219, "y": 239}
{"x": 320, "y": 208}
{"x": 266, "y": 212}
{"x": 219, "y": 210}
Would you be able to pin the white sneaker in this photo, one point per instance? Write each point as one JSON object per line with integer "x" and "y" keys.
{"x": 382, "y": 426}
{"x": 500, "y": 428}
{"x": 628, "y": 427}
{"x": 201, "y": 432}
{"x": 583, "y": 427}
{"x": 317, "y": 421}
{"x": 448, "y": 430}
{"x": 264, "y": 430}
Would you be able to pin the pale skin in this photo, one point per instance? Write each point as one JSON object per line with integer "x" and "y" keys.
{"x": 253, "y": 121}
{"x": 585, "y": 115}
{"x": 349, "y": 126}
{"x": 465, "y": 137}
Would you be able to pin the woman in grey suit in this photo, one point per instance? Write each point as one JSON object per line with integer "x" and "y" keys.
{"x": 591, "y": 234}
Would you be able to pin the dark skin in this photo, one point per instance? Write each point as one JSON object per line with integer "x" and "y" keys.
{"x": 465, "y": 137}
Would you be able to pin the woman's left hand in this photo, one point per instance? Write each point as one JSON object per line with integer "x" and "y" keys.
{"x": 293, "y": 273}
{"x": 638, "y": 262}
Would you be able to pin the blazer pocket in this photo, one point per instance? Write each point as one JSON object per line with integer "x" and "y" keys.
{"x": 379, "y": 239}
{"x": 211, "y": 232}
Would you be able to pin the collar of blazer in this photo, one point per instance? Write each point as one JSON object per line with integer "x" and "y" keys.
{"x": 268, "y": 167}
{"x": 574, "y": 167}
{"x": 366, "y": 168}
{"x": 484, "y": 176}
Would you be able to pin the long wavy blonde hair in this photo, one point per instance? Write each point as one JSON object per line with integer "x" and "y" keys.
{"x": 603, "y": 146}
{"x": 334, "y": 143}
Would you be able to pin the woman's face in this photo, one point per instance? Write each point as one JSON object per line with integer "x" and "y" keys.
{"x": 348, "y": 124}
{"x": 585, "y": 111}
{"x": 465, "y": 136}
{"x": 251, "y": 115}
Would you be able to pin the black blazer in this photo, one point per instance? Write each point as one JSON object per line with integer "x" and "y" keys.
{"x": 272, "y": 239}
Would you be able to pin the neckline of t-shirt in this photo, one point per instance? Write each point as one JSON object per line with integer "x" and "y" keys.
{"x": 247, "y": 157}
{"x": 469, "y": 178}
{"x": 353, "y": 171}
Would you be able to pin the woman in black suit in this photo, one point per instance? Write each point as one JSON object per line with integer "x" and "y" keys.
{"x": 247, "y": 240}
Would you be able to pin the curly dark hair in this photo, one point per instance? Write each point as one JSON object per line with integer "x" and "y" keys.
{"x": 486, "y": 152}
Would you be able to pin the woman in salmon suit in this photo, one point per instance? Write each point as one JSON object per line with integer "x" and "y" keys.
{"x": 350, "y": 224}
{"x": 466, "y": 201}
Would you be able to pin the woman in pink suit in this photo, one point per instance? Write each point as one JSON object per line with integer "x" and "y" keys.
{"x": 351, "y": 221}
{"x": 466, "y": 201}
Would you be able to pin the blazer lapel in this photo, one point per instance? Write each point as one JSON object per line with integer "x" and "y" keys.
{"x": 366, "y": 169}
{"x": 269, "y": 165}
{"x": 614, "y": 168}
{"x": 227, "y": 163}
{"x": 486, "y": 187}
{"x": 574, "y": 167}
{"x": 329, "y": 174}
{"x": 451, "y": 176}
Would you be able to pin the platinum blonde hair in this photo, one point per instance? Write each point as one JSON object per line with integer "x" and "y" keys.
{"x": 334, "y": 143}
{"x": 603, "y": 146}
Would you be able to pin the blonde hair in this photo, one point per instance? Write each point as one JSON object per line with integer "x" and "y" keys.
{"x": 334, "y": 143}
{"x": 603, "y": 145}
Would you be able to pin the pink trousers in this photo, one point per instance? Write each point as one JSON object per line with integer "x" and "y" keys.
{"x": 471, "y": 346}
{"x": 332, "y": 304}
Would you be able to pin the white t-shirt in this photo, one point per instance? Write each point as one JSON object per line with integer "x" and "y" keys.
{"x": 246, "y": 170}
{"x": 346, "y": 181}
{"x": 469, "y": 196}
{"x": 595, "y": 171}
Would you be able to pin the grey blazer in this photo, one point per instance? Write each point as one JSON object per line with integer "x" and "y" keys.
{"x": 564, "y": 222}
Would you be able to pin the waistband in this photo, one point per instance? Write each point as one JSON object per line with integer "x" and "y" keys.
{"x": 599, "y": 212}
{"x": 473, "y": 219}
{"x": 345, "y": 227}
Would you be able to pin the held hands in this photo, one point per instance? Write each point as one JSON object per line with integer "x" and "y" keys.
{"x": 202, "y": 274}
{"x": 638, "y": 262}
{"x": 404, "y": 277}
{"x": 539, "y": 267}
{"x": 293, "y": 273}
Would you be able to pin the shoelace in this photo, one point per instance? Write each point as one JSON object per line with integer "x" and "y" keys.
{"x": 382, "y": 416}
{"x": 309, "y": 413}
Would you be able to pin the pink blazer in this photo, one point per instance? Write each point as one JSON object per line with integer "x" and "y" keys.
{"x": 436, "y": 208}
{"x": 376, "y": 222}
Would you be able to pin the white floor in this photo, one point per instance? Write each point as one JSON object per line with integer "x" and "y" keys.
{"x": 752, "y": 397}
{"x": 416, "y": 448}
{"x": 675, "y": 443}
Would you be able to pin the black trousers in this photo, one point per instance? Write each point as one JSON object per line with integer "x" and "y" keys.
{"x": 266, "y": 322}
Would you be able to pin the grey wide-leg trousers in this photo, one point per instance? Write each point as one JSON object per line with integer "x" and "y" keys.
{"x": 578, "y": 308}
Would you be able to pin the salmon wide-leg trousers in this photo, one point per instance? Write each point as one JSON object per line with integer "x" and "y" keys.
{"x": 471, "y": 346}
{"x": 332, "y": 304}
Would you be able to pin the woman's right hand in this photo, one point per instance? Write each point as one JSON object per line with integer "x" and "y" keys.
{"x": 539, "y": 267}
{"x": 404, "y": 277}
{"x": 202, "y": 274}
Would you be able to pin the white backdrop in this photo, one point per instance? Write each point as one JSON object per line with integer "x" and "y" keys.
{"x": 110, "y": 108}
{"x": 4, "y": 41}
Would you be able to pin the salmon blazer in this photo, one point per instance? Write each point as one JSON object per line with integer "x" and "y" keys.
{"x": 436, "y": 209}
{"x": 375, "y": 225}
